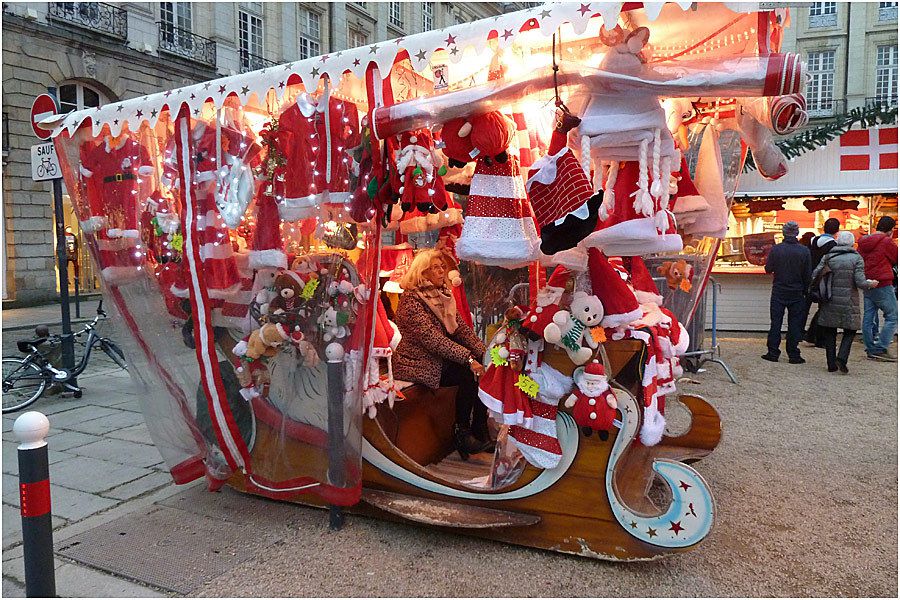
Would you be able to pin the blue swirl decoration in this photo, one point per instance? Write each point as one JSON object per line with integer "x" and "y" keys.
{"x": 688, "y": 518}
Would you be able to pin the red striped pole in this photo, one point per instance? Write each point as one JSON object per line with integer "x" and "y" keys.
{"x": 31, "y": 430}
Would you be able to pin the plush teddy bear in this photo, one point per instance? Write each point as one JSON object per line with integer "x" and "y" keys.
{"x": 288, "y": 287}
{"x": 593, "y": 401}
{"x": 264, "y": 342}
{"x": 332, "y": 324}
{"x": 568, "y": 328}
{"x": 678, "y": 274}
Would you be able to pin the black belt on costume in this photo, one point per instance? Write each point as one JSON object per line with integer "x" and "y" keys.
{"x": 118, "y": 177}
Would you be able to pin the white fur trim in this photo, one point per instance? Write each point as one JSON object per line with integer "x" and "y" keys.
{"x": 179, "y": 292}
{"x": 644, "y": 297}
{"x": 273, "y": 258}
{"x": 219, "y": 251}
{"x": 92, "y": 224}
{"x": 296, "y": 209}
{"x": 683, "y": 341}
{"x": 498, "y": 241}
{"x": 392, "y": 287}
{"x": 224, "y": 293}
{"x": 240, "y": 349}
{"x": 553, "y": 385}
{"x": 544, "y": 169}
{"x": 653, "y": 427}
{"x": 613, "y": 320}
{"x": 85, "y": 172}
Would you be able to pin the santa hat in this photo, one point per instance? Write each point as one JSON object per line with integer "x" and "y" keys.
{"x": 594, "y": 370}
{"x": 565, "y": 206}
{"x": 688, "y": 201}
{"x": 387, "y": 335}
{"x": 620, "y": 307}
{"x": 268, "y": 246}
{"x": 636, "y": 222}
{"x": 498, "y": 228}
{"x": 645, "y": 289}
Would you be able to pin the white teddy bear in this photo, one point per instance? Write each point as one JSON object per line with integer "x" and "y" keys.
{"x": 328, "y": 323}
{"x": 568, "y": 329}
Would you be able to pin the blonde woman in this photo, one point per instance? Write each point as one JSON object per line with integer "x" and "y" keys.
{"x": 438, "y": 349}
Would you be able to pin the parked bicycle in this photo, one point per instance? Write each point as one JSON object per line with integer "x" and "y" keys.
{"x": 26, "y": 378}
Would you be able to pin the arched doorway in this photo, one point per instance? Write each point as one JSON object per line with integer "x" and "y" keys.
{"x": 76, "y": 95}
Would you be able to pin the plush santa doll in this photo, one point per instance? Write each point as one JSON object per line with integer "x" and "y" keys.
{"x": 425, "y": 202}
{"x": 546, "y": 304}
{"x": 593, "y": 403}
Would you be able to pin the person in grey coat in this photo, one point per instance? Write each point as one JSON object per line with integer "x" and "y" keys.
{"x": 842, "y": 311}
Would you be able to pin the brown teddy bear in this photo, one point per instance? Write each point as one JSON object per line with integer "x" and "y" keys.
{"x": 678, "y": 274}
{"x": 289, "y": 289}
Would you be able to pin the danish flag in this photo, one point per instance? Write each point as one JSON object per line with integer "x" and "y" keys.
{"x": 868, "y": 149}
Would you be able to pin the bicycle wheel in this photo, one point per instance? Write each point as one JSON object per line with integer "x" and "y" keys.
{"x": 114, "y": 352}
{"x": 23, "y": 383}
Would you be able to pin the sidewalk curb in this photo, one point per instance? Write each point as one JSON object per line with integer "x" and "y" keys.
{"x": 33, "y": 325}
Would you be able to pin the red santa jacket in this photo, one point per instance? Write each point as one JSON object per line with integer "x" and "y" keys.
{"x": 316, "y": 144}
{"x": 112, "y": 180}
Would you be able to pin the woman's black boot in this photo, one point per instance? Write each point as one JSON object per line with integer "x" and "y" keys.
{"x": 466, "y": 443}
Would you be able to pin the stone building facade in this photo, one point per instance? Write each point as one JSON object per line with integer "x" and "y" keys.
{"x": 90, "y": 53}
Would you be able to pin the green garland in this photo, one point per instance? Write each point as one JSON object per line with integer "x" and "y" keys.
{"x": 813, "y": 139}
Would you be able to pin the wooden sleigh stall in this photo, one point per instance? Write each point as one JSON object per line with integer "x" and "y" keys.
{"x": 248, "y": 230}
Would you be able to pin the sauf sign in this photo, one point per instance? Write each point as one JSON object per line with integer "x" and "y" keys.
{"x": 44, "y": 162}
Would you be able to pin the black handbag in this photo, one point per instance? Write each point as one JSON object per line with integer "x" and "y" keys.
{"x": 820, "y": 288}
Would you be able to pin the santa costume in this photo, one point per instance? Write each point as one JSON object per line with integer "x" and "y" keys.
{"x": 689, "y": 203}
{"x": 315, "y": 136}
{"x": 112, "y": 171}
{"x": 712, "y": 222}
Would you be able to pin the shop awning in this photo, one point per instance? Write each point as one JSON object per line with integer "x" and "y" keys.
{"x": 862, "y": 161}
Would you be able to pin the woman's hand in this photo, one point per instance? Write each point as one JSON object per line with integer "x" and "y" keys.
{"x": 477, "y": 368}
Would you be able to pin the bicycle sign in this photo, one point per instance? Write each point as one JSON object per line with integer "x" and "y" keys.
{"x": 44, "y": 162}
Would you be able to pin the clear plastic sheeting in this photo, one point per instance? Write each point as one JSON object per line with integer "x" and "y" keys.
{"x": 224, "y": 241}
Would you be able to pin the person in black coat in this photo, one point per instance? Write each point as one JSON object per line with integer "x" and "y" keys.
{"x": 819, "y": 247}
{"x": 791, "y": 266}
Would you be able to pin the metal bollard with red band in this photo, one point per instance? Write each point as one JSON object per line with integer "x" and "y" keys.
{"x": 31, "y": 430}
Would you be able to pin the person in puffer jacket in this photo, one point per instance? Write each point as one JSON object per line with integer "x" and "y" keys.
{"x": 842, "y": 310}
{"x": 879, "y": 252}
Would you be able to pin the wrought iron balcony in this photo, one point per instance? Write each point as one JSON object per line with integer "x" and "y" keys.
{"x": 253, "y": 62}
{"x": 888, "y": 101}
{"x": 182, "y": 42}
{"x": 96, "y": 16}
{"x": 825, "y": 108}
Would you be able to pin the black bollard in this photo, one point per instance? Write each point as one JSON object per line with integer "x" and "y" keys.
{"x": 336, "y": 451}
{"x": 31, "y": 429}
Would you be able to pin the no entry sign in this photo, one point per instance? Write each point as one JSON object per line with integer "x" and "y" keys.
{"x": 44, "y": 106}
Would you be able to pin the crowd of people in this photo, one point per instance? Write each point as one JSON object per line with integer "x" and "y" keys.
{"x": 828, "y": 271}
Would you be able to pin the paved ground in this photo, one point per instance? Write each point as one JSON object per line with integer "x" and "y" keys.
{"x": 805, "y": 482}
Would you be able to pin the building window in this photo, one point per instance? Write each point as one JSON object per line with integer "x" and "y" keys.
{"x": 823, "y": 14}
{"x": 78, "y": 96}
{"x": 887, "y": 11}
{"x": 820, "y": 90}
{"x": 177, "y": 23}
{"x": 886, "y": 74}
{"x": 395, "y": 14}
{"x": 310, "y": 34}
{"x": 427, "y": 16}
{"x": 250, "y": 38}
{"x": 356, "y": 38}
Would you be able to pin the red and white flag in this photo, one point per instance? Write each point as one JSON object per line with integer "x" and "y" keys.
{"x": 869, "y": 149}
